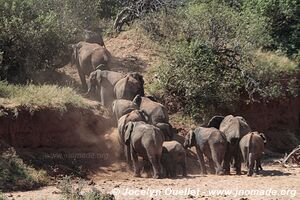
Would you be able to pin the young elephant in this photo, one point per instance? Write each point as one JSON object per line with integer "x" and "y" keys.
{"x": 252, "y": 147}
{"x": 212, "y": 143}
{"x": 144, "y": 140}
{"x": 173, "y": 155}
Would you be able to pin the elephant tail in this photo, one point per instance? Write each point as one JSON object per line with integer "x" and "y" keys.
{"x": 249, "y": 145}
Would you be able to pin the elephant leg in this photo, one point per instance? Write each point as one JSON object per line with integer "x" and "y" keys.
{"x": 83, "y": 81}
{"x": 227, "y": 159}
{"x": 201, "y": 160}
{"x": 251, "y": 164}
{"x": 216, "y": 159}
{"x": 257, "y": 166}
{"x": 128, "y": 156}
{"x": 238, "y": 161}
{"x": 136, "y": 167}
{"x": 147, "y": 167}
{"x": 155, "y": 161}
{"x": 173, "y": 175}
{"x": 211, "y": 166}
{"x": 183, "y": 166}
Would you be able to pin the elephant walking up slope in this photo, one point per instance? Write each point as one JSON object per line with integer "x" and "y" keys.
{"x": 111, "y": 85}
{"x": 88, "y": 57}
{"x": 209, "y": 142}
{"x": 157, "y": 112}
{"x": 146, "y": 141}
{"x": 234, "y": 128}
{"x": 252, "y": 147}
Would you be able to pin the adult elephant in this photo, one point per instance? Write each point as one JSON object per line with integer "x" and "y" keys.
{"x": 144, "y": 140}
{"x": 157, "y": 112}
{"x": 93, "y": 37}
{"x": 130, "y": 86}
{"x": 234, "y": 127}
{"x": 88, "y": 57}
{"x": 121, "y": 107}
{"x": 209, "y": 142}
{"x": 110, "y": 85}
{"x": 133, "y": 116}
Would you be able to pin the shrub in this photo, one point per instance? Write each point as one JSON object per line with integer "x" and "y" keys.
{"x": 35, "y": 33}
{"x": 213, "y": 63}
{"x": 16, "y": 175}
{"x": 72, "y": 192}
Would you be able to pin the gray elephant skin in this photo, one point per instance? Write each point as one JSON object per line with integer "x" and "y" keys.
{"x": 209, "y": 142}
{"x": 173, "y": 155}
{"x": 87, "y": 57}
{"x": 234, "y": 128}
{"x": 252, "y": 147}
{"x": 93, "y": 37}
{"x": 157, "y": 112}
{"x": 121, "y": 107}
{"x": 144, "y": 140}
{"x": 107, "y": 85}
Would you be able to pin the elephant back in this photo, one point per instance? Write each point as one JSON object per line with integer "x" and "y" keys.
{"x": 156, "y": 111}
{"x": 234, "y": 127}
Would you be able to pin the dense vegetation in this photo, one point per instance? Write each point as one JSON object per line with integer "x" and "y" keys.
{"x": 219, "y": 52}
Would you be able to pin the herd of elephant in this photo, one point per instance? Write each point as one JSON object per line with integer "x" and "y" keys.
{"x": 144, "y": 128}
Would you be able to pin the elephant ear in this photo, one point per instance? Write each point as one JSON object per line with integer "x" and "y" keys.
{"x": 92, "y": 82}
{"x": 128, "y": 131}
{"x": 191, "y": 138}
{"x": 263, "y": 137}
{"x": 137, "y": 100}
{"x": 215, "y": 122}
{"x": 144, "y": 115}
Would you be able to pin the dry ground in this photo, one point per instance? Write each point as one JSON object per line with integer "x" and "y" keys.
{"x": 274, "y": 179}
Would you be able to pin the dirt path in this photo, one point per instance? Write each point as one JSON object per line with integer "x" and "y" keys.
{"x": 276, "y": 182}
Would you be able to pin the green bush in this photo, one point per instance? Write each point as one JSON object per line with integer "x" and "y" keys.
{"x": 213, "y": 63}
{"x": 283, "y": 18}
{"x": 16, "y": 175}
{"x": 35, "y": 33}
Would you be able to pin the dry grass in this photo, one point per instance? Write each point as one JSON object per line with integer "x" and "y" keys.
{"x": 276, "y": 61}
{"x": 39, "y": 96}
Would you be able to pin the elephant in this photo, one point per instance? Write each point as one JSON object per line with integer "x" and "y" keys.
{"x": 252, "y": 147}
{"x": 157, "y": 112}
{"x": 88, "y": 57}
{"x": 130, "y": 86}
{"x": 107, "y": 84}
{"x": 121, "y": 107}
{"x": 212, "y": 143}
{"x": 102, "y": 82}
{"x": 144, "y": 140}
{"x": 93, "y": 37}
{"x": 133, "y": 116}
{"x": 167, "y": 130}
{"x": 234, "y": 128}
{"x": 173, "y": 155}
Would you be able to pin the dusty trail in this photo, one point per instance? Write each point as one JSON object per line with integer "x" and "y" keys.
{"x": 274, "y": 181}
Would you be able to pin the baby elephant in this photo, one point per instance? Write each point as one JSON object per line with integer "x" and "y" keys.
{"x": 252, "y": 147}
{"x": 172, "y": 156}
{"x": 212, "y": 143}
